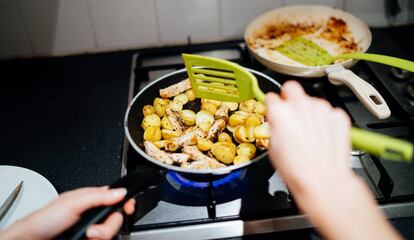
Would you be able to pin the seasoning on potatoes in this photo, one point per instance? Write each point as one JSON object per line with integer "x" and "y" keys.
{"x": 182, "y": 98}
{"x": 204, "y": 144}
{"x": 210, "y": 107}
{"x": 176, "y": 106}
{"x": 236, "y": 119}
{"x": 240, "y": 159}
{"x": 152, "y": 134}
{"x": 224, "y": 137}
{"x": 166, "y": 124}
{"x": 188, "y": 117}
{"x": 246, "y": 149}
{"x": 151, "y": 120}
{"x": 160, "y": 105}
{"x": 148, "y": 110}
{"x": 168, "y": 134}
{"x": 247, "y": 106}
{"x": 225, "y": 152}
{"x": 190, "y": 95}
{"x": 244, "y": 134}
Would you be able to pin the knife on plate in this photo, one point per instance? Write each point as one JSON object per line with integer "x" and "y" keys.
{"x": 10, "y": 200}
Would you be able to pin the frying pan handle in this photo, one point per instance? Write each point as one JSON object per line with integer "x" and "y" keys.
{"x": 366, "y": 93}
{"x": 142, "y": 178}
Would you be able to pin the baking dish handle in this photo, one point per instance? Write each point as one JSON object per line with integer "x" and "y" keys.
{"x": 365, "y": 92}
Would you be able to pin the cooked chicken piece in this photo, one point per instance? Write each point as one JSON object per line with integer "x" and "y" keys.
{"x": 197, "y": 156}
{"x": 175, "y": 89}
{"x": 189, "y": 138}
{"x": 201, "y": 165}
{"x": 222, "y": 113}
{"x": 180, "y": 158}
{"x": 262, "y": 144}
{"x": 156, "y": 153}
{"x": 217, "y": 127}
{"x": 175, "y": 119}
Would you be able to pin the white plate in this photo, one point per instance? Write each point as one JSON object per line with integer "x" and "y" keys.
{"x": 36, "y": 192}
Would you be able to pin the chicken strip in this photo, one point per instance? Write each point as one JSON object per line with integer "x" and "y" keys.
{"x": 175, "y": 89}
{"x": 180, "y": 158}
{"x": 222, "y": 113}
{"x": 197, "y": 156}
{"x": 175, "y": 120}
{"x": 216, "y": 129}
{"x": 156, "y": 153}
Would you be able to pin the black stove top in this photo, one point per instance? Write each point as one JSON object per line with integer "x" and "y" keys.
{"x": 258, "y": 193}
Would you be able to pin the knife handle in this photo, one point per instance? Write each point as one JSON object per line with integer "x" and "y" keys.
{"x": 139, "y": 180}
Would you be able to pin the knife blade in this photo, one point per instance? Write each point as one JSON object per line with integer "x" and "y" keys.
{"x": 10, "y": 200}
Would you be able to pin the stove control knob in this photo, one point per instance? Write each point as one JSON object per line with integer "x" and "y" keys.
{"x": 400, "y": 73}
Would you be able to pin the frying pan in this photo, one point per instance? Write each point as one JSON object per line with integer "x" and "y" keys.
{"x": 145, "y": 176}
{"x": 336, "y": 73}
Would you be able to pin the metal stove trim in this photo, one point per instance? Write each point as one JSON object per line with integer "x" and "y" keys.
{"x": 237, "y": 228}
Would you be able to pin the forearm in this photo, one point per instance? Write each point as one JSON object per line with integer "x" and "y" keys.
{"x": 344, "y": 208}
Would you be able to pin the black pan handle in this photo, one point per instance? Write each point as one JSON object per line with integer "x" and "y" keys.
{"x": 141, "y": 179}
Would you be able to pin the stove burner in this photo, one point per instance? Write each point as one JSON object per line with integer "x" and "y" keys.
{"x": 196, "y": 188}
{"x": 400, "y": 73}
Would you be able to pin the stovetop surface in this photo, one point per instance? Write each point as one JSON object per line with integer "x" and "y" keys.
{"x": 260, "y": 193}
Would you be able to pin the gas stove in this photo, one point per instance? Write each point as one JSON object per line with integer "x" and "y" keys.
{"x": 256, "y": 200}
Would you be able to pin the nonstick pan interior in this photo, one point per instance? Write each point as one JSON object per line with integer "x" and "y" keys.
{"x": 134, "y": 117}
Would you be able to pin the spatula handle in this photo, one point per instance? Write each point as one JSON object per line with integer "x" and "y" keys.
{"x": 387, "y": 60}
{"x": 381, "y": 145}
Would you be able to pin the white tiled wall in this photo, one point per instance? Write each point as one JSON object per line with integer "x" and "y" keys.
{"x": 58, "y": 27}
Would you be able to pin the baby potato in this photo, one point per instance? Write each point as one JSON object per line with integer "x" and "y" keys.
{"x": 244, "y": 134}
{"x": 190, "y": 95}
{"x": 205, "y": 126}
{"x": 247, "y": 106}
{"x": 152, "y": 133}
{"x": 262, "y": 131}
{"x": 166, "y": 124}
{"x": 246, "y": 149}
{"x": 171, "y": 146}
{"x": 224, "y": 137}
{"x": 148, "y": 110}
{"x": 253, "y": 120}
{"x": 215, "y": 102}
{"x": 160, "y": 105}
{"x": 151, "y": 120}
{"x": 168, "y": 134}
{"x": 210, "y": 107}
{"x": 230, "y": 129}
{"x": 225, "y": 152}
{"x": 240, "y": 159}
{"x": 182, "y": 98}
{"x": 260, "y": 108}
{"x": 236, "y": 119}
{"x": 159, "y": 144}
{"x": 204, "y": 116}
{"x": 204, "y": 144}
{"x": 231, "y": 105}
{"x": 176, "y": 106}
{"x": 188, "y": 117}
{"x": 262, "y": 144}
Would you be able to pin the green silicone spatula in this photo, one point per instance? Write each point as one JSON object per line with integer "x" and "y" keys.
{"x": 219, "y": 79}
{"x": 309, "y": 53}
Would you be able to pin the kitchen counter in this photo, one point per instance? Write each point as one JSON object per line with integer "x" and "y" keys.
{"x": 62, "y": 117}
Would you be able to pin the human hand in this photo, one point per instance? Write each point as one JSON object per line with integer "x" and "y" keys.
{"x": 66, "y": 210}
{"x": 310, "y": 147}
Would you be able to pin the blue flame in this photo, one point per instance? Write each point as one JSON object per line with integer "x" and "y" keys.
{"x": 184, "y": 182}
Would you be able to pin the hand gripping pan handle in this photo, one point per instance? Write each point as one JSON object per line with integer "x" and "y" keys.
{"x": 141, "y": 179}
